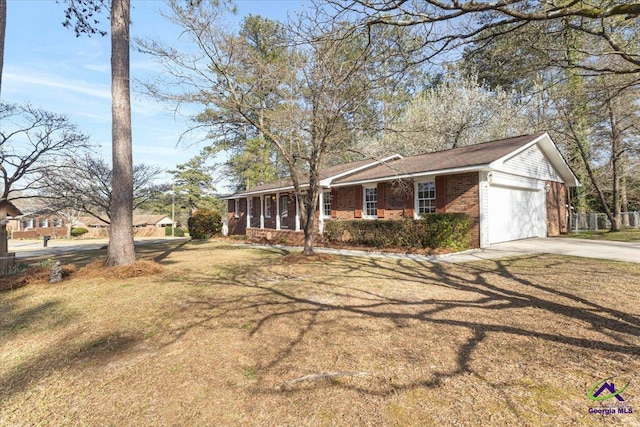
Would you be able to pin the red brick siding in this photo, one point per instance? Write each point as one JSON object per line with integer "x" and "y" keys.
{"x": 237, "y": 225}
{"x": 394, "y": 200}
{"x": 289, "y": 237}
{"x": 556, "y": 209}
{"x": 345, "y": 202}
{"x": 461, "y": 194}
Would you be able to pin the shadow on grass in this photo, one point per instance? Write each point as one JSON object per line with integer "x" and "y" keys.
{"x": 264, "y": 300}
{"x": 326, "y": 300}
{"x": 68, "y": 355}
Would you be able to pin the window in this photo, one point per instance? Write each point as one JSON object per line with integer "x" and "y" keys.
{"x": 27, "y": 223}
{"x": 58, "y": 222}
{"x": 284, "y": 206}
{"x": 236, "y": 203}
{"x": 250, "y": 210}
{"x": 326, "y": 200}
{"x": 267, "y": 207}
{"x": 371, "y": 202}
{"x": 43, "y": 223}
{"x": 426, "y": 197}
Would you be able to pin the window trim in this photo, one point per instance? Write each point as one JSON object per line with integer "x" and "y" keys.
{"x": 365, "y": 214}
{"x": 416, "y": 200}
{"x": 326, "y": 196}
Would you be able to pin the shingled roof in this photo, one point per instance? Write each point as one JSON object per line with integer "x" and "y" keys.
{"x": 325, "y": 173}
{"x": 472, "y": 156}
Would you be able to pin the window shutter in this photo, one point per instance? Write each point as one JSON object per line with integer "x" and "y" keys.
{"x": 381, "y": 200}
{"x": 334, "y": 203}
{"x": 409, "y": 203}
{"x": 441, "y": 193}
{"x": 358, "y": 211}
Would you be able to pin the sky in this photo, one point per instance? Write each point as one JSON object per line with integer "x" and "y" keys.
{"x": 47, "y": 65}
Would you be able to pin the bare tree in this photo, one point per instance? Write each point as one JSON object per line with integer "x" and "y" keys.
{"x": 309, "y": 105}
{"x": 84, "y": 184}
{"x": 33, "y": 142}
{"x": 445, "y": 25}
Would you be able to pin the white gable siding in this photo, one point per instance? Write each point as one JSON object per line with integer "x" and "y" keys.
{"x": 531, "y": 163}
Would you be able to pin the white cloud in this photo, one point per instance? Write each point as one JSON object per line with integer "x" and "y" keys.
{"x": 100, "y": 68}
{"x": 57, "y": 82}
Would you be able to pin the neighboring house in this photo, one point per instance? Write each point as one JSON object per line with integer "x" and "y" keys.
{"x": 139, "y": 221}
{"x": 155, "y": 221}
{"x": 513, "y": 188}
{"x": 37, "y": 224}
{"x": 143, "y": 225}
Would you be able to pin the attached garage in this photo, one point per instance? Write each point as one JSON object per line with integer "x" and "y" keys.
{"x": 516, "y": 213}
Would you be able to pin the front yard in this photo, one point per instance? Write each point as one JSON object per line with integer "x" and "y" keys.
{"x": 240, "y": 336}
{"x": 627, "y": 235}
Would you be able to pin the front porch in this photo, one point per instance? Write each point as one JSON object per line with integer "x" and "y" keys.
{"x": 270, "y": 214}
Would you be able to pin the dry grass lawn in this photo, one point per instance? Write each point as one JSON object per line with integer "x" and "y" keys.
{"x": 240, "y": 336}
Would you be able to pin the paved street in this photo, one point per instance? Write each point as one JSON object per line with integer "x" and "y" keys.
{"x": 32, "y": 248}
{"x": 617, "y": 251}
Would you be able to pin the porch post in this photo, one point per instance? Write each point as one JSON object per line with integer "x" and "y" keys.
{"x": 321, "y": 212}
{"x": 278, "y": 211}
{"x": 262, "y": 211}
{"x": 249, "y": 202}
{"x": 297, "y": 215}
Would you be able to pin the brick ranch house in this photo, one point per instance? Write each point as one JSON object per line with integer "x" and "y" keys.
{"x": 512, "y": 188}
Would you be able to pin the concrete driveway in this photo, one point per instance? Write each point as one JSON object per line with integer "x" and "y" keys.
{"x": 617, "y": 251}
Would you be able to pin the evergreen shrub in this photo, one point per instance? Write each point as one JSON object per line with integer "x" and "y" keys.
{"x": 78, "y": 231}
{"x": 435, "y": 231}
{"x": 204, "y": 224}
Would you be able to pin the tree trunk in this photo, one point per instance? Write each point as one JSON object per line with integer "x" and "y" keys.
{"x": 624, "y": 200}
{"x": 616, "y": 154}
{"x": 308, "y": 234}
{"x": 121, "y": 251}
{"x": 3, "y": 27}
{"x": 307, "y": 212}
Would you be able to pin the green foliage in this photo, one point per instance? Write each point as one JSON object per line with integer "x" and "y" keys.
{"x": 179, "y": 232}
{"x": 439, "y": 230}
{"x": 194, "y": 181}
{"x": 78, "y": 231}
{"x": 204, "y": 224}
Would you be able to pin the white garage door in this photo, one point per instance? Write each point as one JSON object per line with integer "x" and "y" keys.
{"x": 515, "y": 213}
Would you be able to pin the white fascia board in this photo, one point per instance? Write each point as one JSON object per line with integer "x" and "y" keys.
{"x": 558, "y": 162}
{"x": 477, "y": 168}
{"x": 327, "y": 181}
{"x": 246, "y": 194}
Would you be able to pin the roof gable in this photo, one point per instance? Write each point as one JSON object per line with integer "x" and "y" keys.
{"x": 9, "y": 209}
